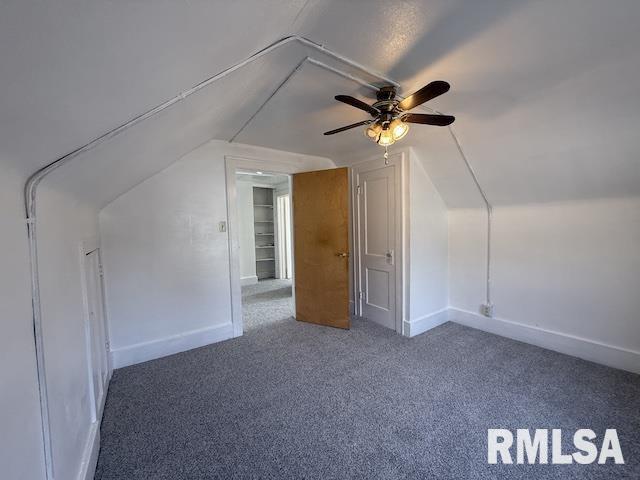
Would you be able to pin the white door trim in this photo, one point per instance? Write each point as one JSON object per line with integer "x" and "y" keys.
{"x": 88, "y": 247}
{"x": 284, "y": 263}
{"x": 231, "y": 164}
{"x": 398, "y": 161}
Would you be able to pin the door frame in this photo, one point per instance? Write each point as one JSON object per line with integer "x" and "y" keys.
{"x": 399, "y": 162}
{"x": 283, "y": 241}
{"x": 232, "y": 163}
{"x": 87, "y": 247}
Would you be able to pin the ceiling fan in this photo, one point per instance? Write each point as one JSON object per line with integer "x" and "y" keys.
{"x": 390, "y": 114}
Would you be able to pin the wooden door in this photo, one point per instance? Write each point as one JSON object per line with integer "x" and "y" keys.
{"x": 321, "y": 246}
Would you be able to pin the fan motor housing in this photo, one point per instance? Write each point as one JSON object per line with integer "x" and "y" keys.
{"x": 386, "y": 99}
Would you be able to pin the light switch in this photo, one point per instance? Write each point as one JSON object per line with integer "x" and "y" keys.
{"x": 222, "y": 226}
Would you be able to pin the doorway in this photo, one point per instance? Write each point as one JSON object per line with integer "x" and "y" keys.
{"x": 318, "y": 258}
{"x": 378, "y": 226}
{"x": 264, "y": 228}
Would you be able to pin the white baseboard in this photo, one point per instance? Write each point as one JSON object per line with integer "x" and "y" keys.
{"x": 162, "y": 347}
{"x": 250, "y": 280}
{"x": 426, "y": 322}
{"x": 90, "y": 453}
{"x": 591, "y": 350}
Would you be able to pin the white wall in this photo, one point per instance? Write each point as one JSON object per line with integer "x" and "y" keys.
{"x": 166, "y": 263}
{"x": 21, "y": 454}
{"x": 63, "y": 223}
{"x": 428, "y": 251}
{"x": 246, "y": 231}
{"x": 569, "y": 268}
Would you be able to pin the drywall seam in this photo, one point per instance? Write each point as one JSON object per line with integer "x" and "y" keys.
{"x": 31, "y": 186}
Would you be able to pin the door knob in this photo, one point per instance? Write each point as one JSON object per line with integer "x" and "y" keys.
{"x": 389, "y": 256}
{"x": 342, "y": 254}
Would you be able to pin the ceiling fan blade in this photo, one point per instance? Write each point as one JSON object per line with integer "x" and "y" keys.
{"x": 353, "y": 125}
{"x": 426, "y": 119}
{"x": 354, "y": 102}
{"x": 426, "y": 93}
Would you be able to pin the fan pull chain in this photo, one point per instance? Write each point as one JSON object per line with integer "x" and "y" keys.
{"x": 386, "y": 155}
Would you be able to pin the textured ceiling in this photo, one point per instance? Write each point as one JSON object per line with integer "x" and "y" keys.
{"x": 545, "y": 93}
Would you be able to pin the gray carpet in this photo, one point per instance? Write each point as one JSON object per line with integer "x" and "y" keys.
{"x": 266, "y": 302}
{"x": 296, "y": 400}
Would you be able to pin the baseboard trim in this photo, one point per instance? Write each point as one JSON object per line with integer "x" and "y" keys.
{"x": 586, "y": 349}
{"x": 90, "y": 454}
{"x": 426, "y": 322}
{"x": 162, "y": 347}
{"x": 250, "y": 280}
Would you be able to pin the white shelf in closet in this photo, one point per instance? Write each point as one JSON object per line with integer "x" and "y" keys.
{"x": 264, "y": 221}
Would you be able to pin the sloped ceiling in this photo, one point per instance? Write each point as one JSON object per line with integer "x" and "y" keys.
{"x": 545, "y": 93}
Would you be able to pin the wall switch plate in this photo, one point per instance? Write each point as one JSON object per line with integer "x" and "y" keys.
{"x": 487, "y": 309}
{"x": 222, "y": 226}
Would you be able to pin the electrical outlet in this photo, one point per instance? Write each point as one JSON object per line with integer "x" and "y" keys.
{"x": 487, "y": 309}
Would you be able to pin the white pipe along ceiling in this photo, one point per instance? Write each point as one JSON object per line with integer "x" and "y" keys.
{"x": 31, "y": 186}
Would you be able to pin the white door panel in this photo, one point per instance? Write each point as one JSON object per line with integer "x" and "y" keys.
{"x": 377, "y": 289}
{"x": 376, "y": 206}
{"x": 377, "y": 230}
{"x": 96, "y": 332}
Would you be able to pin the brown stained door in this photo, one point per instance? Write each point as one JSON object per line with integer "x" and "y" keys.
{"x": 321, "y": 246}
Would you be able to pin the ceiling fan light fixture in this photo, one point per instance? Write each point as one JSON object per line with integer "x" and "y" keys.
{"x": 398, "y": 129}
{"x": 373, "y": 131}
{"x": 386, "y": 138}
{"x": 391, "y": 116}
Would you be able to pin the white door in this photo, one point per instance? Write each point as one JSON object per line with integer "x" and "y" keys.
{"x": 377, "y": 243}
{"x": 96, "y": 332}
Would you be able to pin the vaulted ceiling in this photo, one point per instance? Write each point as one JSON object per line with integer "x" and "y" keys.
{"x": 545, "y": 93}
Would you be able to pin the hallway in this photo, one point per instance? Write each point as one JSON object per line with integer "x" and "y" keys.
{"x": 266, "y": 302}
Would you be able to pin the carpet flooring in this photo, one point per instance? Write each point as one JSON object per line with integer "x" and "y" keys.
{"x": 266, "y": 302}
{"x": 294, "y": 400}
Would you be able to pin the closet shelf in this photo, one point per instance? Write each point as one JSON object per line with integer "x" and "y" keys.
{"x": 264, "y": 221}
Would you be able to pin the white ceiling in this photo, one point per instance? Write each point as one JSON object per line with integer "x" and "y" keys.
{"x": 545, "y": 93}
